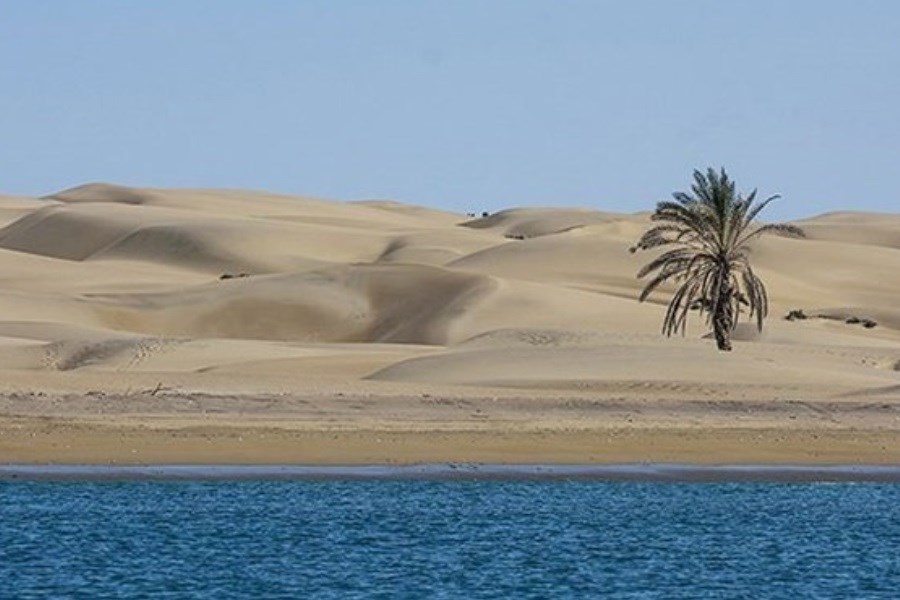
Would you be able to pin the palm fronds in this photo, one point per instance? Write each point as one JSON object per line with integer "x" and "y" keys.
{"x": 710, "y": 229}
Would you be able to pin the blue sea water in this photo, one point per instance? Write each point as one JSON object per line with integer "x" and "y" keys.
{"x": 448, "y": 539}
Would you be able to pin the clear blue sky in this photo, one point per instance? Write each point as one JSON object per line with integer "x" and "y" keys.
{"x": 463, "y": 105}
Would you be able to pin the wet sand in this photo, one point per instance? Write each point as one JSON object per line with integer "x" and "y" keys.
{"x": 653, "y": 473}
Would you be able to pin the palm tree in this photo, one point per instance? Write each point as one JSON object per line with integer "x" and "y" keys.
{"x": 710, "y": 230}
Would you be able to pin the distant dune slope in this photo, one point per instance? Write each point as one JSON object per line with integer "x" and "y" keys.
{"x": 855, "y": 228}
{"x": 524, "y": 223}
{"x": 357, "y": 303}
{"x": 96, "y": 275}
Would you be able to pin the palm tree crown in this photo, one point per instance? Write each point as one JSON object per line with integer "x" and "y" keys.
{"x": 710, "y": 230}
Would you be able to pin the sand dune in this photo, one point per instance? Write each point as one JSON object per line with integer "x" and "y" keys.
{"x": 855, "y": 228}
{"x": 525, "y": 223}
{"x": 125, "y": 288}
{"x": 92, "y": 231}
{"x": 616, "y": 364}
{"x": 356, "y": 303}
{"x": 148, "y": 262}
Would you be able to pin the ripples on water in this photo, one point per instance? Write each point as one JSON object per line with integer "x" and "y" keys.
{"x": 448, "y": 539}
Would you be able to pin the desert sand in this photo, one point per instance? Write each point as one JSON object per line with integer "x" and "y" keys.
{"x": 227, "y": 326}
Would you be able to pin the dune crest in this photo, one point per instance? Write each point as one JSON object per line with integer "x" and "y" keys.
{"x": 102, "y": 192}
{"x": 524, "y": 223}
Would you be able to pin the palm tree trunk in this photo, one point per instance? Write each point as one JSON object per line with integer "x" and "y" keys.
{"x": 722, "y": 332}
{"x": 723, "y": 320}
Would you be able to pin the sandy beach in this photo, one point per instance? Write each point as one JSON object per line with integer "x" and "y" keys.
{"x": 346, "y": 430}
{"x": 147, "y": 326}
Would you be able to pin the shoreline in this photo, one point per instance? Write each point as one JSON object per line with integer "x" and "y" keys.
{"x": 640, "y": 473}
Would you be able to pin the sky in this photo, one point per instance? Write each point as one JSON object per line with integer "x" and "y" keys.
{"x": 464, "y": 105}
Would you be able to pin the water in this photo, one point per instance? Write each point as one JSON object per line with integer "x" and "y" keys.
{"x": 447, "y": 539}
